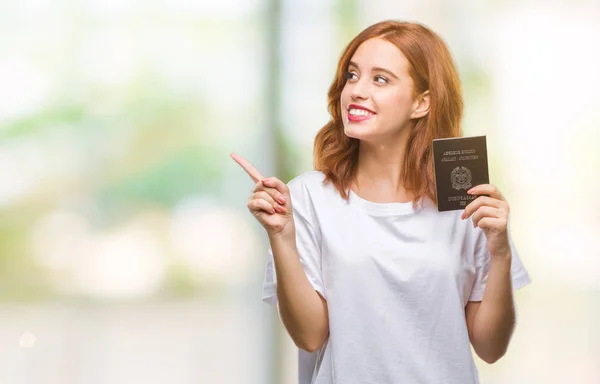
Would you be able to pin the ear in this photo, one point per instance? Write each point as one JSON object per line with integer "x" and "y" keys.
{"x": 420, "y": 105}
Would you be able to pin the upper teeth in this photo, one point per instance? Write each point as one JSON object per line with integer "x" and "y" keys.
{"x": 359, "y": 112}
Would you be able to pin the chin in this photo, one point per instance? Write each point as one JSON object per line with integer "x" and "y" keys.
{"x": 352, "y": 134}
{"x": 357, "y": 132}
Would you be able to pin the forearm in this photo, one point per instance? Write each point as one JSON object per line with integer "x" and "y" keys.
{"x": 495, "y": 319}
{"x": 302, "y": 310}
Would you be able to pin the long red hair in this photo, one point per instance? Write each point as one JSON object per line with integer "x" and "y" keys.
{"x": 431, "y": 68}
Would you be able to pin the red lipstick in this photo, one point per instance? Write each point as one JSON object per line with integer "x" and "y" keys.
{"x": 359, "y": 118}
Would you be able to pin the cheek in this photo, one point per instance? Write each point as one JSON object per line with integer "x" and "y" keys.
{"x": 397, "y": 105}
{"x": 345, "y": 94}
{"x": 344, "y": 100}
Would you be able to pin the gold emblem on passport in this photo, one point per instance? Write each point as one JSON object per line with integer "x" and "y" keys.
{"x": 461, "y": 178}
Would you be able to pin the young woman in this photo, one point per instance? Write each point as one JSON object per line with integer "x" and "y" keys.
{"x": 372, "y": 283}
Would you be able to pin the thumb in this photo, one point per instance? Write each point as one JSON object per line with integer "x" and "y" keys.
{"x": 280, "y": 186}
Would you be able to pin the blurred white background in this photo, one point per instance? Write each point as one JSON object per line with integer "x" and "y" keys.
{"x": 127, "y": 253}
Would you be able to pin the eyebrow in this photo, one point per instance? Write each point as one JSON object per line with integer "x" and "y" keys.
{"x": 375, "y": 69}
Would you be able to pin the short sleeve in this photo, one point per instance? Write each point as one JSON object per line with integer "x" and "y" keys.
{"x": 308, "y": 240}
{"x": 519, "y": 275}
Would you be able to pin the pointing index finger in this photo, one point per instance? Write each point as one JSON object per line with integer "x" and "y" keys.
{"x": 248, "y": 167}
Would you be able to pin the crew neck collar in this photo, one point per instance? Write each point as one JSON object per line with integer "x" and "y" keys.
{"x": 380, "y": 209}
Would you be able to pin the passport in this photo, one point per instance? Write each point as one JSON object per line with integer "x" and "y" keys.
{"x": 460, "y": 163}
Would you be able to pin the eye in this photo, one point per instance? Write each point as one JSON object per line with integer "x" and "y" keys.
{"x": 349, "y": 75}
{"x": 380, "y": 79}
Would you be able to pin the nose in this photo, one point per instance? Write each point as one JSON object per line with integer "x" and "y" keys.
{"x": 359, "y": 90}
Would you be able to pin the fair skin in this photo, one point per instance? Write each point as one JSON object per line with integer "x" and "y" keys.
{"x": 387, "y": 92}
{"x": 378, "y": 80}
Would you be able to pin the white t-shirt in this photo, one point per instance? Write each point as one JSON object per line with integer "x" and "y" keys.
{"x": 396, "y": 281}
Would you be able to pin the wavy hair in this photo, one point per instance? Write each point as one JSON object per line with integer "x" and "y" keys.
{"x": 431, "y": 68}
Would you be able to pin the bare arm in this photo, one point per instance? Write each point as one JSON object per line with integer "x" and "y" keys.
{"x": 491, "y": 321}
{"x": 303, "y": 311}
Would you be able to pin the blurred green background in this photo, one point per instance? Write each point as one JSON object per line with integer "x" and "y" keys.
{"x": 127, "y": 253}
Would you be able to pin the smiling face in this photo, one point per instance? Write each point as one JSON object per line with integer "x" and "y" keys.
{"x": 377, "y": 100}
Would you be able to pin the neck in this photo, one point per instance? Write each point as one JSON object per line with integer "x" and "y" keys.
{"x": 380, "y": 169}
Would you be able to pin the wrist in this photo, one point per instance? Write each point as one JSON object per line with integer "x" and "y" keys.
{"x": 287, "y": 236}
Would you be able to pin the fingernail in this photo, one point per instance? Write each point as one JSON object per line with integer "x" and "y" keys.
{"x": 281, "y": 199}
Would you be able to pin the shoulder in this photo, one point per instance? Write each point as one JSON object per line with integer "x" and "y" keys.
{"x": 308, "y": 178}
{"x": 308, "y": 191}
{"x": 307, "y": 182}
